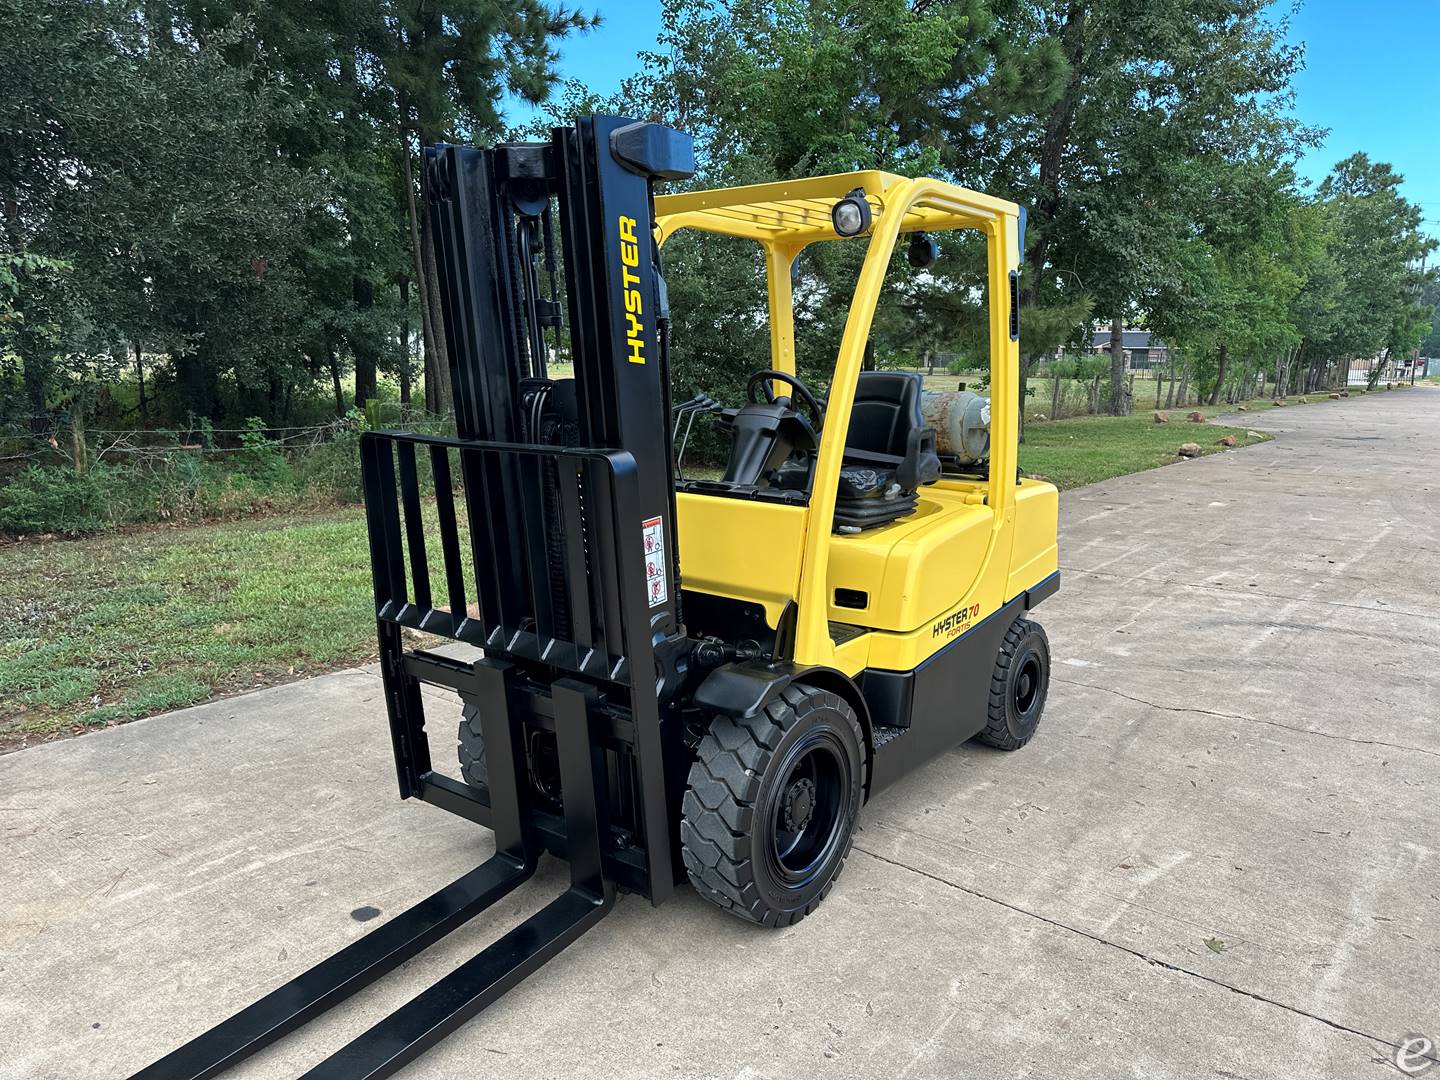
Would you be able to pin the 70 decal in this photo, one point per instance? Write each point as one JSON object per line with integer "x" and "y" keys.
{"x": 957, "y": 622}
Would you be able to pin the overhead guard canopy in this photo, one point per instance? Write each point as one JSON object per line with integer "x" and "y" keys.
{"x": 797, "y": 212}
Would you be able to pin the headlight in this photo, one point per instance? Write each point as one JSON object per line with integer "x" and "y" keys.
{"x": 851, "y": 215}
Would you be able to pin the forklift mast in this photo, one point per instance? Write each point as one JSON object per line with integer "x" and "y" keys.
{"x": 492, "y": 217}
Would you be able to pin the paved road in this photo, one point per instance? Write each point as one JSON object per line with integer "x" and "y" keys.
{"x": 1217, "y": 860}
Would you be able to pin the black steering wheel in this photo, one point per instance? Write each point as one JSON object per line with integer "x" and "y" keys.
{"x": 802, "y": 393}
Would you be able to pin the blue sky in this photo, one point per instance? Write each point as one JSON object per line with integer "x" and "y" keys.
{"x": 1370, "y": 77}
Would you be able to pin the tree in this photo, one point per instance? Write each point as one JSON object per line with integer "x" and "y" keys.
{"x": 379, "y": 79}
{"x": 230, "y": 182}
{"x": 54, "y": 56}
{"x": 787, "y": 89}
{"x": 1430, "y": 300}
{"x": 1230, "y": 305}
{"x": 1379, "y": 250}
{"x": 168, "y": 202}
{"x": 1154, "y": 96}
{"x": 447, "y": 68}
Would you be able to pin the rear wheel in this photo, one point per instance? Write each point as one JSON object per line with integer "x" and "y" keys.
{"x": 474, "y": 766}
{"x": 1018, "y": 686}
{"x": 770, "y": 808}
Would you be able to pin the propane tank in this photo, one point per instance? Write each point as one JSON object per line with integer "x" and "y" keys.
{"x": 961, "y": 421}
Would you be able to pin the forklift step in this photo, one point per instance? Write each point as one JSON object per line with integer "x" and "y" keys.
{"x": 341, "y": 976}
{"x": 883, "y": 734}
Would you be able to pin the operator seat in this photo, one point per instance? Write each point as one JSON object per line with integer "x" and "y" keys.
{"x": 889, "y": 452}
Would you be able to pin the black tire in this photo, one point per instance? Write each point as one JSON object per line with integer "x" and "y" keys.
{"x": 769, "y": 811}
{"x": 1018, "y": 686}
{"x": 473, "y": 764}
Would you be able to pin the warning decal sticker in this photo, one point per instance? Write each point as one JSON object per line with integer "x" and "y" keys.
{"x": 655, "y": 586}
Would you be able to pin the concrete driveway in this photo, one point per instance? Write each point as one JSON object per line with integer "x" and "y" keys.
{"x": 1218, "y": 859}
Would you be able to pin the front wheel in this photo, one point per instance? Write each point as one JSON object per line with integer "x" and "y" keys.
{"x": 1018, "y": 686}
{"x": 770, "y": 807}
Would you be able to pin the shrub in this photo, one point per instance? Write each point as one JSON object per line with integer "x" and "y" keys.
{"x": 181, "y": 483}
{"x": 332, "y": 469}
{"x": 259, "y": 458}
{"x": 55, "y": 498}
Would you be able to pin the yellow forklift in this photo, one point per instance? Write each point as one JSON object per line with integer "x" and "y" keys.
{"x": 697, "y": 679}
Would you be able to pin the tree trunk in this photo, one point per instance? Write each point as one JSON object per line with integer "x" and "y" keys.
{"x": 1117, "y": 367}
{"x": 1052, "y": 145}
{"x": 1054, "y": 394}
{"x": 1220, "y": 373}
{"x": 405, "y": 341}
{"x": 437, "y": 366}
{"x": 275, "y": 397}
{"x": 140, "y": 382}
{"x": 1170, "y": 390}
{"x": 428, "y": 335}
{"x": 335, "y": 378}
{"x": 77, "y": 432}
{"x": 1184, "y": 385}
{"x": 195, "y": 380}
{"x": 362, "y": 346}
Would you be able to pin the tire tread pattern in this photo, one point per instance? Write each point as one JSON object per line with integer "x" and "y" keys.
{"x": 718, "y": 808}
{"x": 474, "y": 763}
{"x": 997, "y": 731}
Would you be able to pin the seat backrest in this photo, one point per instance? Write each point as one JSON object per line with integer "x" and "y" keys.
{"x": 886, "y": 410}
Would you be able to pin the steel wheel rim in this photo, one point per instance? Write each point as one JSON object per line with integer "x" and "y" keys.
{"x": 1028, "y": 682}
{"x": 806, "y": 820}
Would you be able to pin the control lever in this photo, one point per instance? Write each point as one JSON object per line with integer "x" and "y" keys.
{"x": 694, "y": 407}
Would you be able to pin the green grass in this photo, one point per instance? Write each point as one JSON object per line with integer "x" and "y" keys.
{"x": 101, "y": 630}
{"x": 117, "y": 626}
{"x": 1088, "y": 449}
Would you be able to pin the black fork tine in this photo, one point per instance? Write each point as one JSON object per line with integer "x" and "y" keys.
{"x": 340, "y": 976}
